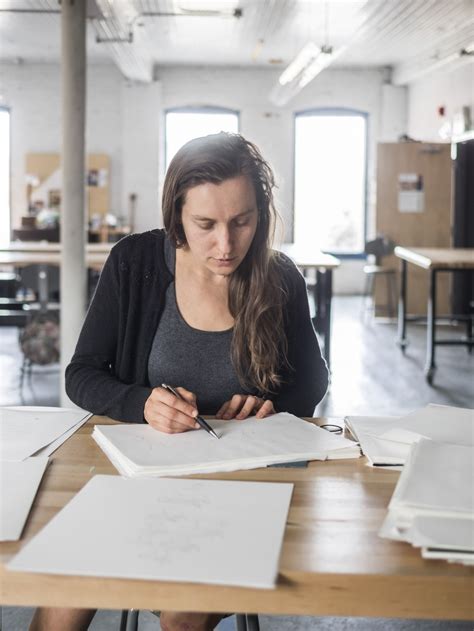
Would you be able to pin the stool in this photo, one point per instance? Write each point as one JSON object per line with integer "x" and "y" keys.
{"x": 378, "y": 271}
{"x": 243, "y": 622}
{"x": 378, "y": 249}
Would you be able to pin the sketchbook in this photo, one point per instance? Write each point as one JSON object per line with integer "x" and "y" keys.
{"x": 30, "y": 430}
{"x": 19, "y": 482}
{"x": 201, "y": 531}
{"x": 432, "y": 506}
{"x": 139, "y": 450}
{"x": 388, "y": 440}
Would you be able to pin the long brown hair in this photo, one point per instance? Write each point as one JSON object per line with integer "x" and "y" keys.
{"x": 256, "y": 293}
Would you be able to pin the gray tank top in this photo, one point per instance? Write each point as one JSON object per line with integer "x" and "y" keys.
{"x": 196, "y": 360}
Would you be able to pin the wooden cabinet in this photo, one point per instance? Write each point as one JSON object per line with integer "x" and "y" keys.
{"x": 413, "y": 208}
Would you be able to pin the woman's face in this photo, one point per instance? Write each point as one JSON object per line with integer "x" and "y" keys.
{"x": 219, "y": 221}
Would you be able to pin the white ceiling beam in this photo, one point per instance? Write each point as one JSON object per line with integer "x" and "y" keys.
{"x": 447, "y": 55}
{"x": 117, "y": 33}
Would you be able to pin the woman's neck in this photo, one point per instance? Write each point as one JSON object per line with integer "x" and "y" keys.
{"x": 186, "y": 264}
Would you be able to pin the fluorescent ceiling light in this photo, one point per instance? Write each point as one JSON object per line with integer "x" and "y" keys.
{"x": 305, "y": 57}
{"x": 314, "y": 68}
{"x": 307, "y": 64}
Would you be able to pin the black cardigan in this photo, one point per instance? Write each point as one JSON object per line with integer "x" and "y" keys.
{"x": 108, "y": 373}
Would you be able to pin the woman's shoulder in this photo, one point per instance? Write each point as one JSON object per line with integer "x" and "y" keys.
{"x": 286, "y": 268}
{"x": 139, "y": 247}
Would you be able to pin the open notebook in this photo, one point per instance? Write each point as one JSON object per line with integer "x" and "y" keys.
{"x": 139, "y": 450}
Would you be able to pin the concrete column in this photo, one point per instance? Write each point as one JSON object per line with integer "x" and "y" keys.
{"x": 73, "y": 224}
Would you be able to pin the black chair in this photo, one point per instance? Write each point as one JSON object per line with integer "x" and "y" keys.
{"x": 378, "y": 249}
{"x": 243, "y": 622}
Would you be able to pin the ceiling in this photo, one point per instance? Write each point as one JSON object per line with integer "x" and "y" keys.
{"x": 410, "y": 36}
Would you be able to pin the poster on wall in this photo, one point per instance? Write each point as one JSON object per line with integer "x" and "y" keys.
{"x": 411, "y": 194}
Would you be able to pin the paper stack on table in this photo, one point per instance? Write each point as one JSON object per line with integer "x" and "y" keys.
{"x": 141, "y": 451}
{"x": 387, "y": 440}
{"x": 200, "y": 531}
{"x": 28, "y": 436}
{"x": 432, "y": 506}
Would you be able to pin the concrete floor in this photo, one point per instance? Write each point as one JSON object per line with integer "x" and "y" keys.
{"x": 369, "y": 376}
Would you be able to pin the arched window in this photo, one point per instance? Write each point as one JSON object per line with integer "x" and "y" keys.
{"x": 330, "y": 191}
{"x": 4, "y": 175}
{"x": 185, "y": 123}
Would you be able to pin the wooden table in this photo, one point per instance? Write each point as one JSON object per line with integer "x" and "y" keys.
{"x": 435, "y": 260}
{"x": 323, "y": 264}
{"x": 332, "y": 563}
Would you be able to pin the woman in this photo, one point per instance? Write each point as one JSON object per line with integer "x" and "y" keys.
{"x": 205, "y": 305}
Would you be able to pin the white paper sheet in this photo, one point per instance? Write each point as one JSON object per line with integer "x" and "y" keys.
{"x": 140, "y": 450}
{"x": 19, "y": 482}
{"x": 387, "y": 440}
{"x": 202, "y": 531}
{"x": 26, "y": 430}
{"x": 382, "y": 452}
{"x": 437, "y": 477}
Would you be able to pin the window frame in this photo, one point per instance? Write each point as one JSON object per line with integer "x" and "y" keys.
{"x": 337, "y": 111}
{"x": 5, "y": 108}
{"x": 195, "y": 109}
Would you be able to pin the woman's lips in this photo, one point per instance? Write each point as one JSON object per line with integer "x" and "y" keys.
{"x": 225, "y": 262}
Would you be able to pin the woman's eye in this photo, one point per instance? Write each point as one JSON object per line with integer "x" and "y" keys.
{"x": 241, "y": 224}
{"x": 205, "y": 226}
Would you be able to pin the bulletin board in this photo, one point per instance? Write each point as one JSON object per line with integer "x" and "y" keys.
{"x": 43, "y": 169}
{"x": 413, "y": 208}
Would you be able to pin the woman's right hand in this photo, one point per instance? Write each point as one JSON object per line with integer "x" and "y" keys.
{"x": 166, "y": 413}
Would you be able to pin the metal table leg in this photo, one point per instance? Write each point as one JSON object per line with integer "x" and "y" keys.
{"x": 129, "y": 620}
{"x": 43, "y": 290}
{"x": 241, "y": 622}
{"x": 402, "y": 307}
{"x": 430, "y": 367}
{"x": 323, "y": 298}
{"x": 252, "y": 622}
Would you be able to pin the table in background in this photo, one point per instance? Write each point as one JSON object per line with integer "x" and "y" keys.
{"x": 332, "y": 564}
{"x": 323, "y": 264}
{"x": 19, "y": 255}
{"x": 435, "y": 260}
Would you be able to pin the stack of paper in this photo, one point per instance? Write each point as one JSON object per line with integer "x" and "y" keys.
{"x": 201, "y": 531}
{"x": 25, "y": 432}
{"x": 387, "y": 440}
{"x": 140, "y": 450}
{"x": 433, "y": 504}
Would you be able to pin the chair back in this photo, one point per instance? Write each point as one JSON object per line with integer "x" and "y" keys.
{"x": 379, "y": 247}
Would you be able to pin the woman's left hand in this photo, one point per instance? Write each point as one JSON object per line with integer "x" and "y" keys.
{"x": 243, "y": 405}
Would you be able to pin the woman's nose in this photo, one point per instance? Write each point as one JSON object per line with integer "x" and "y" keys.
{"x": 225, "y": 241}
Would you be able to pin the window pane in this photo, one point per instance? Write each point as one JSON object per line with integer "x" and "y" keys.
{"x": 184, "y": 126}
{"x": 4, "y": 176}
{"x": 330, "y": 167}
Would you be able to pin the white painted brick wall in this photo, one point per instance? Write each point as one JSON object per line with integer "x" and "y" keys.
{"x": 126, "y": 121}
{"x": 453, "y": 89}
{"x": 32, "y": 91}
